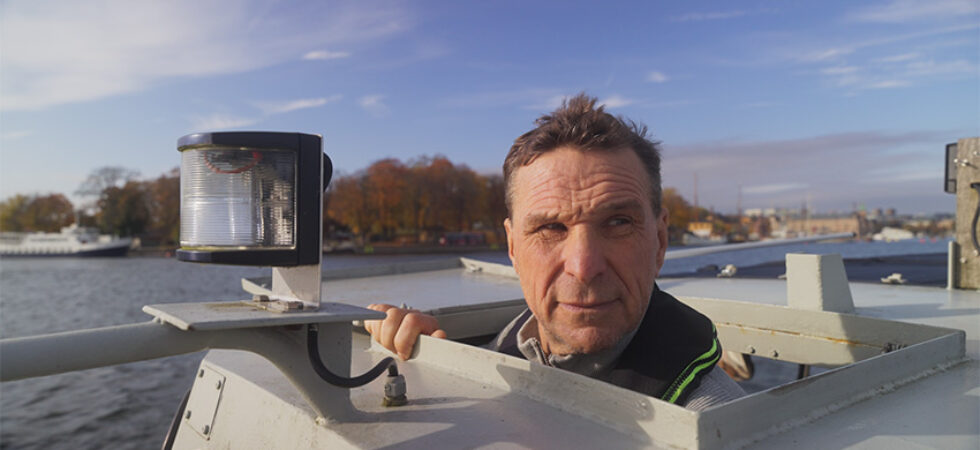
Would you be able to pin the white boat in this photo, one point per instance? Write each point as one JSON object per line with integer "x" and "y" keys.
{"x": 71, "y": 241}
{"x": 903, "y": 368}
{"x": 899, "y": 365}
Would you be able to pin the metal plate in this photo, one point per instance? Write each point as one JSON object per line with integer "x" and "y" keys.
{"x": 203, "y": 402}
{"x": 246, "y": 314}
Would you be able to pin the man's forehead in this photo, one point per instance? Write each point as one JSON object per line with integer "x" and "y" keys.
{"x": 565, "y": 180}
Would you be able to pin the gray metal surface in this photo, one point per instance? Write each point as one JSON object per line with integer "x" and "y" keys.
{"x": 246, "y": 314}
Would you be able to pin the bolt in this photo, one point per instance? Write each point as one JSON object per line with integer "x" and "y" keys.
{"x": 963, "y": 260}
{"x": 751, "y": 350}
{"x": 218, "y": 386}
{"x": 774, "y": 354}
{"x": 187, "y": 415}
{"x": 200, "y": 374}
{"x": 207, "y": 429}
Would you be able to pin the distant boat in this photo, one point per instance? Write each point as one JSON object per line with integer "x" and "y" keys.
{"x": 890, "y": 234}
{"x": 71, "y": 241}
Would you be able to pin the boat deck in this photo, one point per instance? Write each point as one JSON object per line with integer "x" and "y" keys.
{"x": 463, "y": 396}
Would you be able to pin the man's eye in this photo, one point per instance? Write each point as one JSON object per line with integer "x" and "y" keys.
{"x": 619, "y": 221}
{"x": 551, "y": 228}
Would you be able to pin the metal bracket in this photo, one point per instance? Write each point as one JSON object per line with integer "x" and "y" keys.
{"x": 202, "y": 406}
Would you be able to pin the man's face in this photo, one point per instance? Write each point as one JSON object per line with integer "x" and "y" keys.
{"x": 586, "y": 245}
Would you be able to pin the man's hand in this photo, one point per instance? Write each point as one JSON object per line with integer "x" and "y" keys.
{"x": 399, "y": 331}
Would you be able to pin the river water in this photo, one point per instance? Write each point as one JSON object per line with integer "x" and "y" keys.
{"x": 130, "y": 406}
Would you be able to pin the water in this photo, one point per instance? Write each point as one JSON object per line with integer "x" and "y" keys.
{"x": 130, "y": 406}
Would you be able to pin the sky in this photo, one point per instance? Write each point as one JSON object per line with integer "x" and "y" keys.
{"x": 836, "y": 104}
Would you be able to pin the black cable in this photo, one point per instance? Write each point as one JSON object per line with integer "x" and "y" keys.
{"x": 313, "y": 349}
{"x": 976, "y": 215}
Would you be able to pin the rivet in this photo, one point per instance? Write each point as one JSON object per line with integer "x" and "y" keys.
{"x": 218, "y": 385}
{"x": 751, "y": 350}
{"x": 200, "y": 374}
{"x": 187, "y": 415}
{"x": 774, "y": 354}
{"x": 207, "y": 429}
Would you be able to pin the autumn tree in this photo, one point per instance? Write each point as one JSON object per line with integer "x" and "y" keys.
{"x": 385, "y": 181}
{"x": 348, "y": 203}
{"x": 123, "y": 210}
{"x": 163, "y": 207}
{"x": 36, "y": 213}
{"x": 428, "y": 196}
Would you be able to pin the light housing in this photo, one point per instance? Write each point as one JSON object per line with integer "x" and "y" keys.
{"x": 252, "y": 198}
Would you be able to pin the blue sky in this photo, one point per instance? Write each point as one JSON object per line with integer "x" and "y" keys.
{"x": 832, "y": 102}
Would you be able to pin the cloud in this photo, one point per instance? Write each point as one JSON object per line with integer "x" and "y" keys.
{"x": 270, "y": 108}
{"x": 540, "y": 98}
{"x": 548, "y": 104}
{"x": 617, "y": 101}
{"x": 374, "y": 105}
{"x": 897, "y": 58}
{"x": 763, "y": 189}
{"x": 703, "y": 16}
{"x": 888, "y": 84}
{"x": 759, "y": 104}
{"x": 17, "y": 134}
{"x": 325, "y": 55}
{"x": 657, "y": 77}
{"x": 833, "y": 169}
{"x": 217, "y": 121}
{"x": 898, "y": 11}
{"x": 83, "y": 51}
{"x": 839, "y": 70}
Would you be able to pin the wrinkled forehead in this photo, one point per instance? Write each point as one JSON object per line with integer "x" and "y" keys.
{"x": 570, "y": 181}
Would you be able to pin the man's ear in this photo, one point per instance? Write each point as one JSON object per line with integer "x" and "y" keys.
{"x": 510, "y": 241}
{"x": 662, "y": 225}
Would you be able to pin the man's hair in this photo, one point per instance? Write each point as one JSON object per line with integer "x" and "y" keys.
{"x": 580, "y": 125}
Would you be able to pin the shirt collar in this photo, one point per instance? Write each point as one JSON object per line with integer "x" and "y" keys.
{"x": 588, "y": 364}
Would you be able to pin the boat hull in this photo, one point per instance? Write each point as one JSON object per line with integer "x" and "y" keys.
{"x": 114, "y": 251}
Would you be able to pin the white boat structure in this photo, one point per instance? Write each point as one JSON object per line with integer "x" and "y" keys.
{"x": 71, "y": 241}
{"x": 904, "y": 367}
{"x": 900, "y": 364}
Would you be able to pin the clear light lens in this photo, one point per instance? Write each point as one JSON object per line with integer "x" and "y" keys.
{"x": 235, "y": 197}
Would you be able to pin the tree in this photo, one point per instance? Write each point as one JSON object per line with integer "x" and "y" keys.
{"x": 123, "y": 210}
{"x": 386, "y": 184}
{"x": 103, "y": 178}
{"x": 681, "y": 213}
{"x": 163, "y": 206}
{"x": 36, "y": 213}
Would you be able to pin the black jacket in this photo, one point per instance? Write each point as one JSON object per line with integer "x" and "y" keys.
{"x": 674, "y": 347}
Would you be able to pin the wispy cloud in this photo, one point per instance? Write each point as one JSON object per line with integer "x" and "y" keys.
{"x": 548, "y": 104}
{"x": 617, "y": 101}
{"x": 16, "y": 134}
{"x": 831, "y": 168}
{"x": 270, "y": 108}
{"x": 759, "y": 104}
{"x": 888, "y": 84}
{"x": 657, "y": 77}
{"x": 374, "y": 104}
{"x": 763, "y": 189}
{"x": 122, "y": 47}
{"x": 217, "y": 121}
{"x": 710, "y": 15}
{"x": 897, "y": 58}
{"x": 529, "y": 98}
{"x": 897, "y": 11}
{"x": 324, "y": 55}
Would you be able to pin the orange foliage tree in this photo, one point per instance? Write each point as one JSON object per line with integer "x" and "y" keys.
{"x": 429, "y": 196}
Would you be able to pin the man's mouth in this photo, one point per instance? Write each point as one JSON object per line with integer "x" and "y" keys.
{"x": 587, "y": 307}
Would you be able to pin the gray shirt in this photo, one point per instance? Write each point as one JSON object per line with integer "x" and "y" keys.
{"x": 716, "y": 387}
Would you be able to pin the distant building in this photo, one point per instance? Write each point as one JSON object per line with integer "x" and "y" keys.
{"x": 857, "y": 224}
{"x": 700, "y": 229}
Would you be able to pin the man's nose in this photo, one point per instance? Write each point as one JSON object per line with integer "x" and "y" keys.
{"x": 584, "y": 255}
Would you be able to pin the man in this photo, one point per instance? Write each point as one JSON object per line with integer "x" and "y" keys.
{"x": 586, "y": 234}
